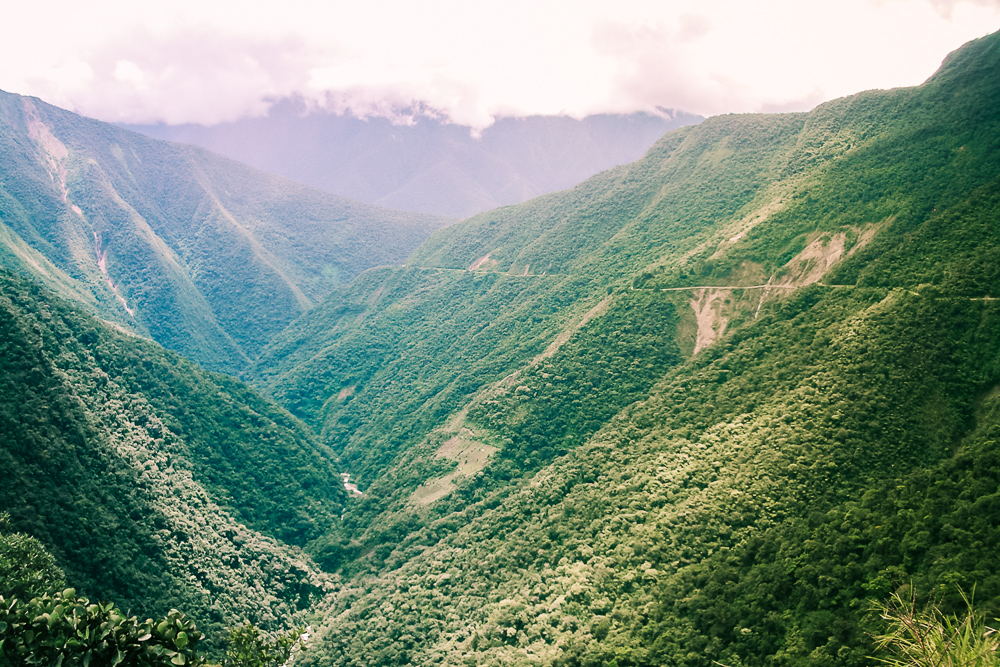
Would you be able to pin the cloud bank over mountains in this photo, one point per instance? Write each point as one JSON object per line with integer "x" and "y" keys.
{"x": 207, "y": 63}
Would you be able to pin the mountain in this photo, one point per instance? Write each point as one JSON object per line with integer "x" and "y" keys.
{"x": 153, "y": 483}
{"x": 208, "y": 257}
{"x": 427, "y": 164}
{"x": 708, "y": 407}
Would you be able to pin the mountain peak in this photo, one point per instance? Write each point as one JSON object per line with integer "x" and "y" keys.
{"x": 974, "y": 59}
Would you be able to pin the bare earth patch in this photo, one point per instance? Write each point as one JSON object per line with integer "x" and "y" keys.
{"x": 471, "y": 455}
{"x": 823, "y": 252}
{"x": 714, "y": 307}
{"x": 466, "y": 446}
{"x": 53, "y": 150}
{"x": 814, "y": 261}
{"x": 102, "y": 264}
{"x": 483, "y": 262}
{"x": 707, "y": 306}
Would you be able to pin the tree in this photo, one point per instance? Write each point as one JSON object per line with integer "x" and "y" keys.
{"x": 250, "y": 647}
{"x": 26, "y": 568}
{"x": 54, "y": 628}
{"x": 43, "y": 623}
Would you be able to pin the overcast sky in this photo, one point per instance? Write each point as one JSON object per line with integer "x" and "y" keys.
{"x": 209, "y": 61}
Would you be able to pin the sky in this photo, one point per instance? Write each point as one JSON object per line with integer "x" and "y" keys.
{"x": 212, "y": 61}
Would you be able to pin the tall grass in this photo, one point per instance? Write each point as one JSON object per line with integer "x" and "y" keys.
{"x": 927, "y": 637}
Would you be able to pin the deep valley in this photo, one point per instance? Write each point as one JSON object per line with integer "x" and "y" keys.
{"x": 711, "y": 407}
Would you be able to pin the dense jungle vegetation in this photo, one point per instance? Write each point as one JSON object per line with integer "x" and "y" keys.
{"x": 714, "y": 407}
{"x": 153, "y": 483}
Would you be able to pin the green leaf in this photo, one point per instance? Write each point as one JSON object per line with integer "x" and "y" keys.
{"x": 181, "y": 640}
{"x": 178, "y": 659}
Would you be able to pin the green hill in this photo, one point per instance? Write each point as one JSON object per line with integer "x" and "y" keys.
{"x": 153, "y": 483}
{"x": 705, "y": 407}
{"x": 208, "y": 257}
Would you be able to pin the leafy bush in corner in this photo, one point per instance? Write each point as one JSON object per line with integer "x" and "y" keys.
{"x": 62, "y": 627}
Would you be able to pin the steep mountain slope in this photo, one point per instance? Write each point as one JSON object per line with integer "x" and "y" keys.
{"x": 207, "y": 256}
{"x": 428, "y": 165}
{"x": 393, "y": 355}
{"x": 154, "y": 483}
{"x": 704, "y": 407}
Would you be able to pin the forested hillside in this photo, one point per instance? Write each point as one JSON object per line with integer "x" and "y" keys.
{"x": 153, "y": 483}
{"x": 709, "y": 406}
{"x": 207, "y": 256}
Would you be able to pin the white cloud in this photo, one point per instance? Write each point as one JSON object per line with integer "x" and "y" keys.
{"x": 789, "y": 57}
{"x": 196, "y": 75}
{"x": 946, "y": 7}
{"x": 209, "y": 61}
{"x": 128, "y": 72}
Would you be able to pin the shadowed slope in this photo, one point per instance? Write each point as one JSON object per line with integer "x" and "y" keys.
{"x": 155, "y": 484}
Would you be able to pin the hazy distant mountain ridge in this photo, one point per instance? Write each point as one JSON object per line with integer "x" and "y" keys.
{"x": 431, "y": 165}
{"x": 208, "y": 256}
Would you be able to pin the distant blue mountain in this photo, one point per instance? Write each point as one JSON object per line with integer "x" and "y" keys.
{"x": 430, "y": 166}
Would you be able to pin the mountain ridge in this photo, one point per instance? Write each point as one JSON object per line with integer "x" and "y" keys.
{"x": 207, "y": 256}
{"x": 427, "y": 164}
